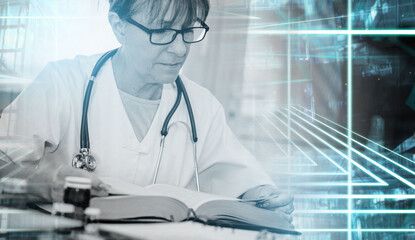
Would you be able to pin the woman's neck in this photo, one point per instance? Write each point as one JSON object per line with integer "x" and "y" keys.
{"x": 130, "y": 82}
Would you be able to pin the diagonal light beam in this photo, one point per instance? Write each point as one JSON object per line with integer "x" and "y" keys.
{"x": 383, "y": 183}
{"x": 313, "y": 146}
{"x": 377, "y": 153}
{"x": 272, "y": 138}
{"x": 327, "y": 32}
{"x": 358, "y": 153}
{"x": 367, "y": 139}
{"x": 295, "y": 145}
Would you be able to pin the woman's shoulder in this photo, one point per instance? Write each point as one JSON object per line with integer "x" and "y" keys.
{"x": 198, "y": 92}
{"x": 79, "y": 66}
{"x": 68, "y": 74}
{"x": 201, "y": 98}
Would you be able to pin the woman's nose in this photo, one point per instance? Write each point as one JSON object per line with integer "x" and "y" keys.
{"x": 178, "y": 46}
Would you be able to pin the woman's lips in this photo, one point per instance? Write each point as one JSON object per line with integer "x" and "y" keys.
{"x": 171, "y": 65}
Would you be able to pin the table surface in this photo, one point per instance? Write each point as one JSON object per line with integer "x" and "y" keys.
{"x": 187, "y": 230}
{"x": 17, "y": 221}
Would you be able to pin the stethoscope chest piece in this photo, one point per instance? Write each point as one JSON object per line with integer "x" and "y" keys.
{"x": 84, "y": 160}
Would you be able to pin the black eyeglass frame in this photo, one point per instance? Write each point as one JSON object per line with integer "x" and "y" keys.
{"x": 182, "y": 31}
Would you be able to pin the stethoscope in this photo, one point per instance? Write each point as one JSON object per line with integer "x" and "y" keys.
{"x": 84, "y": 159}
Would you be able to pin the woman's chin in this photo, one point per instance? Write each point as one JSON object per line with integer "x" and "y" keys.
{"x": 166, "y": 78}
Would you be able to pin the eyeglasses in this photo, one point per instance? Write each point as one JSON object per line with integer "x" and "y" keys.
{"x": 166, "y": 36}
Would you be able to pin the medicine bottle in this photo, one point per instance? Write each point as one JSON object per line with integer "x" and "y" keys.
{"x": 77, "y": 191}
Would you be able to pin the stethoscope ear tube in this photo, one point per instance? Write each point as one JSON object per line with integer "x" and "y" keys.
{"x": 84, "y": 160}
{"x": 180, "y": 90}
{"x": 101, "y": 62}
{"x": 189, "y": 109}
{"x": 164, "y": 130}
{"x": 160, "y": 155}
{"x": 84, "y": 123}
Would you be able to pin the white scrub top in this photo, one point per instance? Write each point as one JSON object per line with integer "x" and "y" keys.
{"x": 49, "y": 112}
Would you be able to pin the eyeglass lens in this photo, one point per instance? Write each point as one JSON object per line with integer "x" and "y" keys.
{"x": 167, "y": 36}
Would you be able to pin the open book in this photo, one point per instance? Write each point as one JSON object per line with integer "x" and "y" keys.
{"x": 131, "y": 202}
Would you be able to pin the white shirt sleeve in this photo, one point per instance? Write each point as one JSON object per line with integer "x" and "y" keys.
{"x": 35, "y": 121}
{"x": 226, "y": 166}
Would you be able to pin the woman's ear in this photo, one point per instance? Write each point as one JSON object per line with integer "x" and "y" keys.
{"x": 118, "y": 26}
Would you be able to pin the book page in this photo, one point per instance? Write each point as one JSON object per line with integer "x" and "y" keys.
{"x": 192, "y": 199}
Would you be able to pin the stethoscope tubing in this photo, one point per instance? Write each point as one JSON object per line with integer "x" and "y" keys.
{"x": 160, "y": 155}
{"x": 181, "y": 90}
{"x": 189, "y": 109}
{"x": 84, "y": 123}
{"x": 84, "y": 155}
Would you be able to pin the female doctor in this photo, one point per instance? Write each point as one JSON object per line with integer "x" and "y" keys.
{"x": 132, "y": 94}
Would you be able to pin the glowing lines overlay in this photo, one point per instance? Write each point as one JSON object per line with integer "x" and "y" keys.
{"x": 233, "y": 16}
{"x": 314, "y": 126}
{"x": 354, "y": 133}
{"x": 360, "y": 144}
{"x": 276, "y": 143}
{"x": 256, "y": 30}
{"x": 359, "y": 211}
{"x": 348, "y": 146}
{"x": 313, "y": 163}
{"x": 357, "y": 196}
{"x": 53, "y": 17}
{"x": 328, "y": 32}
{"x": 354, "y": 151}
{"x": 379, "y": 180}
{"x": 291, "y": 23}
{"x": 313, "y": 146}
{"x": 358, "y": 230}
{"x": 349, "y": 113}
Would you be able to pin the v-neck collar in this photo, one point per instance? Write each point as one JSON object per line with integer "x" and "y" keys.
{"x": 156, "y": 124}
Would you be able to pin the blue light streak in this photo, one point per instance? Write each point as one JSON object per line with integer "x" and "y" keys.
{"x": 52, "y": 17}
{"x": 273, "y": 139}
{"x": 329, "y": 32}
{"x": 313, "y": 163}
{"x": 235, "y": 16}
{"x": 360, "y": 144}
{"x": 338, "y": 152}
{"x": 340, "y": 184}
{"x": 296, "y": 22}
{"x": 299, "y": 149}
{"x": 275, "y": 82}
{"x": 349, "y": 112}
{"x": 358, "y": 230}
{"x": 359, "y": 211}
{"x": 313, "y": 146}
{"x": 357, "y": 196}
{"x": 367, "y": 139}
{"x": 313, "y": 173}
{"x": 355, "y": 151}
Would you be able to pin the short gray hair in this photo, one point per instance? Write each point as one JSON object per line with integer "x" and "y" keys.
{"x": 194, "y": 9}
